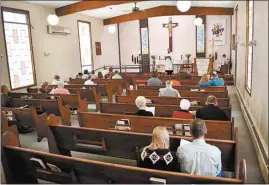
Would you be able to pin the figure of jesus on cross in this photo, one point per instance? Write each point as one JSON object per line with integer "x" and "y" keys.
{"x": 170, "y": 27}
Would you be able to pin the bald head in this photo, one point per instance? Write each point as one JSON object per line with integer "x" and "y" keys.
{"x": 212, "y": 100}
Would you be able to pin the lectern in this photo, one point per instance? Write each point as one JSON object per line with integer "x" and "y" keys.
{"x": 202, "y": 66}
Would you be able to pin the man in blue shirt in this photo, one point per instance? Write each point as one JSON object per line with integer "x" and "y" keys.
{"x": 215, "y": 81}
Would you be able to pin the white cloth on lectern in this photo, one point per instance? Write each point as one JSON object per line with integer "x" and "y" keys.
{"x": 168, "y": 62}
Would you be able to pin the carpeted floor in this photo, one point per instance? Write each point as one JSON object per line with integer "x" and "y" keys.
{"x": 246, "y": 148}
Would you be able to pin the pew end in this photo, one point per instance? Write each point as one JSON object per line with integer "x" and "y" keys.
{"x": 243, "y": 171}
{"x": 53, "y": 120}
{"x": 65, "y": 112}
{"x": 82, "y": 104}
{"x": 10, "y": 139}
{"x": 41, "y": 124}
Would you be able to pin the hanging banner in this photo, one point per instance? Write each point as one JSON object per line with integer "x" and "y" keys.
{"x": 218, "y": 31}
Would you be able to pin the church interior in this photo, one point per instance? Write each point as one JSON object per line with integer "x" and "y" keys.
{"x": 185, "y": 78}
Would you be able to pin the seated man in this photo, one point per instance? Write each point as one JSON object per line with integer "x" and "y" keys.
{"x": 215, "y": 81}
{"x": 89, "y": 81}
{"x": 5, "y": 99}
{"x": 60, "y": 89}
{"x": 116, "y": 75}
{"x": 44, "y": 88}
{"x": 79, "y": 76}
{"x": 168, "y": 91}
{"x": 198, "y": 157}
{"x": 184, "y": 113}
{"x": 56, "y": 80}
{"x": 85, "y": 74}
{"x": 154, "y": 80}
{"x": 141, "y": 102}
{"x": 211, "y": 111}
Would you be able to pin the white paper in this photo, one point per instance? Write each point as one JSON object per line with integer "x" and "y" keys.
{"x": 151, "y": 109}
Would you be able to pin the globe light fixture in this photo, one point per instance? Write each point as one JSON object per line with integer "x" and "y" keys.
{"x": 198, "y": 21}
{"x": 183, "y": 6}
{"x": 112, "y": 29}
{"x": 53, "y": 19}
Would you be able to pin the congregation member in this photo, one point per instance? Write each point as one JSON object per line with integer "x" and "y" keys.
{"x": 184, "y": 113}
{"x": 157, "y": 155}
{"x": 44, "y": 88}
{"x": 198, "y": 157}
{"x": 168, "y": 91}
{"x": 215, "y": 81}
{"x": 100, "y": 75}
{"x": 141, "y": 103}
{"x": 79, "y": 76}
{"x": 154, "y": 80}
{"x": 56, "y": 80}
{"x": 175, "y": 82}
{"x": 89, "y": 81}
{"x": 211, "y": 111}
{"x": 104, "y": 71}
{"x": 93, "y": 75}
{"x": 85, "y": 74}
{"x": 5, "y": 99}
{"x": 116, "y": 75}
{"x": 60, "y": 89}
{"x": 205, "y": 78}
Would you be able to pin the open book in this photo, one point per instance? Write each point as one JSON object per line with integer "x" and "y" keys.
{"x": 151, "y": 109}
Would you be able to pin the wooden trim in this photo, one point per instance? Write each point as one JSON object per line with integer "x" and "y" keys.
{"x": 92, "y": 64}
{"x": 168, "y": 11}
{"x": 87, "y": 5}
{"x": 27, "y": 13}
{"x": 118, "y": 26}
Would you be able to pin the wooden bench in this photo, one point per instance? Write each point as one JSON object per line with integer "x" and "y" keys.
{"x": 184, "y": 88}
{"x": 29, "y": 117}
{"x": 18, "y": 169}
{"x": 215, "y": 129}
{"x": 55, "y": 107}
{"x": 6, "y": 127}
{"x": 222, "y": 102}
{"x": 122, "y": 144}
{"x": 203, "y": 94}
{"x": 74, "y": 101}
{"x": 160, "y": 110}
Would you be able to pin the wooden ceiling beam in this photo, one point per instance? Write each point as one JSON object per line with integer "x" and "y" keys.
{"x": 87, "y": 5}
{"x": 168, "y": 11}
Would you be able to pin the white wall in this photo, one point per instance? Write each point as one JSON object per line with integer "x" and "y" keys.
{"x": 183, "y": 36}
{"x": 64, "y": 58}
{"x": 110, "y": 49}
{"x": 129, "y": 41}
{"x": 225, "y": 49}
{"x": 257, "y": 103}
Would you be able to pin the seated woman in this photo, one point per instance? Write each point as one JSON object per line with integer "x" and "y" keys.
{"x": 205, "y": 78}
{"x": 44, "y": 88}
{"x": 79, "y": 76}
{"x": 157, "y": 155}
{"x": 175, "y": 82}
{"x": 60, "y": 89}
{"x": 184, "y": 110}
{"x": 141, "y": 102}
{"x": 100, "y": 75}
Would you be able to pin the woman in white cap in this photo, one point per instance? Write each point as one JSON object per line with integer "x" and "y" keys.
{"x": 184, "y": 113}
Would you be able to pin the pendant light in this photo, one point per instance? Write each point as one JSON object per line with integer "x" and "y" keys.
{"x": 183, "y": 6}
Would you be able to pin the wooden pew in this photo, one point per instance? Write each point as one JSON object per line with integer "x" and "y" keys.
{"x": 184, "y": 88}
{"x": 73, "y": 100}
{"x": 203, "y": 94}
{"x": 6, "y": 127}
{"x": 55, "y": 107}
{"x": 121, "y": 144}
{"x": 222, "y": 102}
{"x": 215, "y": 129}
{"x": 160, "y": 110}
{"x": 18, "y": 169}
{"x": 29, "y": 117}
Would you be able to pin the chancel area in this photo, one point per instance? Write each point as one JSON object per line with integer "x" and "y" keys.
{"x": 101, "y": 92}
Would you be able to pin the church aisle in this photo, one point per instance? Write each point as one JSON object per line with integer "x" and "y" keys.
{"x": 246, "y": 148}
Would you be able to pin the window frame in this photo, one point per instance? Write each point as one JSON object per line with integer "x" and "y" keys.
{"x": 249, "y": 89}
{"x": 27, "y": 13}
{"x": 92, "y": 64}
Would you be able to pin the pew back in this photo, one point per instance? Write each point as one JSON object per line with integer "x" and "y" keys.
{"x": 184, "y": 88}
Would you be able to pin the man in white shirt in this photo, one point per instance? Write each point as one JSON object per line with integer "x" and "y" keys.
{"x": 116, "y": 75}
{"x": 104, "y": 71}
{"x": 56, "y": 80}
{"x": 89, "y": 81}
{"x": 198, "y": 157}
{"x": 168, "y": 91}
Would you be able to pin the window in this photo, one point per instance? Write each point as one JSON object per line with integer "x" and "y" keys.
{"x": 249, "y": 47}
{"x": 18, "y": 44}
{"x": 85, "y": 45}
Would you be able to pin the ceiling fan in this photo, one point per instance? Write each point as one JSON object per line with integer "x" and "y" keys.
{"x": 134, "y": 9}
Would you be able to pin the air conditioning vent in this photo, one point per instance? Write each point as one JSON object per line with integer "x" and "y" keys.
{"x": 58, "y": 30}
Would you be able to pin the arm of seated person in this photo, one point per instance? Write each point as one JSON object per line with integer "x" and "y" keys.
{"x": 205, "y": 84}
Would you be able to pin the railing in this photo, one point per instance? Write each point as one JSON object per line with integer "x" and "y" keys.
{"x": 124, "y": 68}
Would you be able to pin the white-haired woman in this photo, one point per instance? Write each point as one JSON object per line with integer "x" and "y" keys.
{"x": 60, "y": 89}
{"x": 184, "y": 113}
{"x": 157, "y": 155}
{"x": 141, "y": 102}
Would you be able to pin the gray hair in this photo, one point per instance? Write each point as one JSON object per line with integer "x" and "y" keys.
{"x": 198, "y": 128}
{"x": 141, "y": 102}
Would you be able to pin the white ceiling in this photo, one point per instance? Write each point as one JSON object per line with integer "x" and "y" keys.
{"x": 122, "y": 9}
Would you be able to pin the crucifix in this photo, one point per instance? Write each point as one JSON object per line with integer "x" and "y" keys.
{"x": 170, "y": 27}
